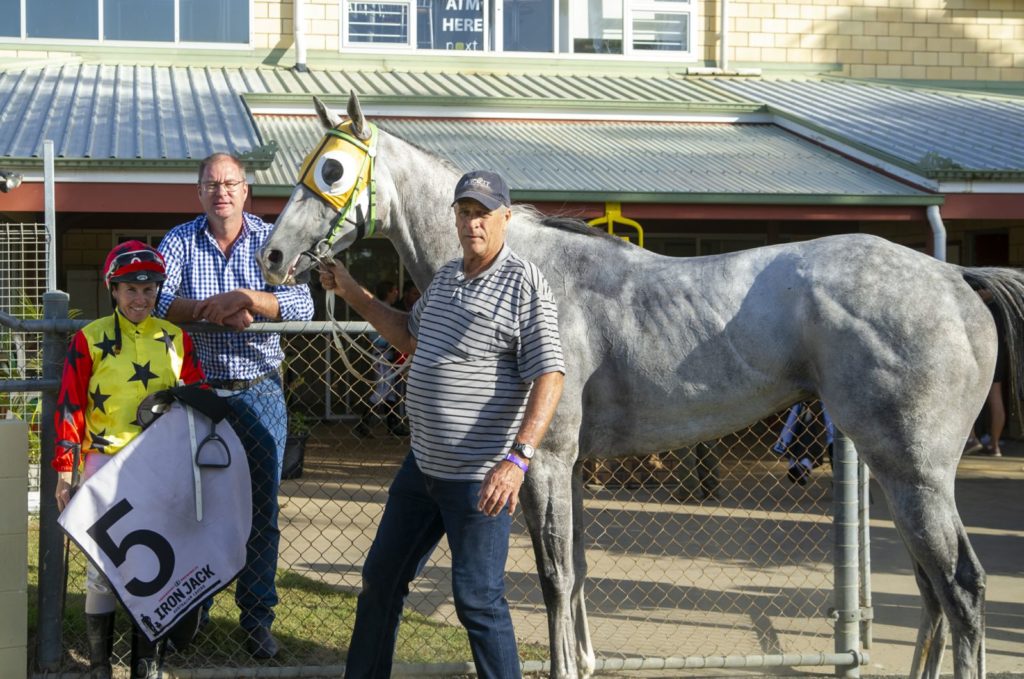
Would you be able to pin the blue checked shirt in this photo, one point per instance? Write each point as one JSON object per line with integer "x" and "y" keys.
{"x": 197, "y": 269}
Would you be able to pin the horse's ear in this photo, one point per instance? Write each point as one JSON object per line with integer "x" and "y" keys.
{"x": 355, "y": 113}
{"x": 328, "y": 118}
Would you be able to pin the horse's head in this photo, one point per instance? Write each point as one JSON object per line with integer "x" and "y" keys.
{"x": 333, "y": 204}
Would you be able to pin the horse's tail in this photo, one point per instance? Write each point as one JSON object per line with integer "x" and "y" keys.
{"x": 1007, "y": 288}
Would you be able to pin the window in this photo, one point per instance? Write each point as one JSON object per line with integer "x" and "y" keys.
{"x": 150, "y": 20}
{"x": 379, "y": 23}
{"x": 624, "y": 27}
{"x": 528, "y": 26}
{"x": 630, "y": 26}
{"x": 660, "y": 26}
{"x": 214, "y": 21}
{"x": 159, "y": 21}
{"x": 62, "y": 19}
{"x": 10, "y": 18}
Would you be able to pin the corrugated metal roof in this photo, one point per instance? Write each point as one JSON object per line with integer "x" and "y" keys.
{"x": 123, "y": 112}
{"x": 936, "y": 132}
{"x": 539, "y": 157}
{"x": 495, "y": 87}
{"x": 164, "y": 115}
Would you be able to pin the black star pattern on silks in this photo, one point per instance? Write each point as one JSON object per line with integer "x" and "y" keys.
{"x": 68, "y": 409}
{"x": 73, "y": 356}
{"x": 100, "y": 441}
{"x": 106, "y": 346}
{"x": 142, "y": 374}
{"x": 99, "y": 398}
{"x": 167, "y": 339}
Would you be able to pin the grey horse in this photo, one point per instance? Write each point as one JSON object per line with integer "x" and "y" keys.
{"x": 665, "y": 352}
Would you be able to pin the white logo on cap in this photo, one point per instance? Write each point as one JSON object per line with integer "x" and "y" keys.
{"x": 480, "y": 183}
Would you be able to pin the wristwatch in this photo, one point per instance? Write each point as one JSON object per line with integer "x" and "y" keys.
{"x": 521, "y": 455}
{"x": 525, "y": 450}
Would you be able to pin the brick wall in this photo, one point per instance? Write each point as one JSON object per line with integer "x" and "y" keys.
{"x": 273, "y": 26}
{"x": 905, "y": 39}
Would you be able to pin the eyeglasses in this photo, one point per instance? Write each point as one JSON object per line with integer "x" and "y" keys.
{"x": 214, "y": 187}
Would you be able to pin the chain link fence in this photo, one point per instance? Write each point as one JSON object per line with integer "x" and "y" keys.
{"x": 721, "y": 549}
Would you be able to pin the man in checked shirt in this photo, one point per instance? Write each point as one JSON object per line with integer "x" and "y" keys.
{"x": 212, "y": 275}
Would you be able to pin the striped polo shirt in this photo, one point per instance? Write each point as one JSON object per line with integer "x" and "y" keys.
{"x": 480, "y": 343}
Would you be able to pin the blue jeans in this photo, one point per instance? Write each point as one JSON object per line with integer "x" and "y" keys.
{"x": 259, "y": 417}
{"x": 420, "y": 509}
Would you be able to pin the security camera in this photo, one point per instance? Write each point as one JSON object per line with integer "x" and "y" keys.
{"x": 9, "y": 181}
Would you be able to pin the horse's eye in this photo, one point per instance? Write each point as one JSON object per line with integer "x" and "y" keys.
{"x": 332, "y": 171}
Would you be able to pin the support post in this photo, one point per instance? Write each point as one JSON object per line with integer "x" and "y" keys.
{"x": 847, "y": 558}
{"x": 867, "y": 610}
{"x": 50, "y": 213}
{"x": 49, "y": 639}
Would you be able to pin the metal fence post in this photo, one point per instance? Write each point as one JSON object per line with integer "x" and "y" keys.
{"x": 847, "y": 558}
{"x": 866, "y": 608}
{"x": 49, "y": 640}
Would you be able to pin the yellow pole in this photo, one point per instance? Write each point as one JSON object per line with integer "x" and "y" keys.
{"x": 613, "y": 216}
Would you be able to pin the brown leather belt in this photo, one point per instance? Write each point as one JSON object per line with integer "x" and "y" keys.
{"x": 240, "y": 385}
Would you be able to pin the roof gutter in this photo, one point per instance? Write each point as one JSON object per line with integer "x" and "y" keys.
{"x": 938, "y": 232}
{"x": 298, "y": 26}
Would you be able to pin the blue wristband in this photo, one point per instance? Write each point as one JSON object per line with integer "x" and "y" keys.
{"x": 514, "y": 459}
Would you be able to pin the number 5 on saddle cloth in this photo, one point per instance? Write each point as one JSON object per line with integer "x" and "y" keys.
{"x": 167, "y": 518}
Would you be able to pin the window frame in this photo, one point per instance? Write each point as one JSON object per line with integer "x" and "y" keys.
{"x": 675, "y": 7}
{"x": 494, "y": 39}
{"x": 409, "y": 45}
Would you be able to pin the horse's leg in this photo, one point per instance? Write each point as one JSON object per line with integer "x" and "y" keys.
{"x": 948, "y": 573}
{"x": 584, "y": 646}
{"x": 931, "y": 635}
{"x": 546, "y": 498}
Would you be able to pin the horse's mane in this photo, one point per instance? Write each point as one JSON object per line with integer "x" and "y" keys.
{"x": 570, "y": 224}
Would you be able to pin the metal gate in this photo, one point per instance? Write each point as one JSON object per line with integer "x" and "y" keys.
{"x": 713, "y": 556}
{"x": 22, "y": 284}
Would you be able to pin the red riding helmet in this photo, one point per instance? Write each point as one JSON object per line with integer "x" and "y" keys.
{"x": 134, "y": 262}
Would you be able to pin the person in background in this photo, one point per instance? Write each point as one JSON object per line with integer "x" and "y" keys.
{"x": 989, "y": 444}
{"x": 410, "y": 295}
{"x": 385, "y": 397}
{"x": 799, "y": 442}
{"x": 486, "y": 326}
{"x": 113, "y": 364}
{"x": 213, "y": 275}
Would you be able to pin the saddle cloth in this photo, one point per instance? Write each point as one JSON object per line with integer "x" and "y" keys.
{"x": 136, "y": 518}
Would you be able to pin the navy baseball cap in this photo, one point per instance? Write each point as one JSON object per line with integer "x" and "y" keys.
{"x": 486, "y": 187}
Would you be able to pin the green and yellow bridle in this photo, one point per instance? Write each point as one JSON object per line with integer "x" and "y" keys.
{"x": 338, "y": 172}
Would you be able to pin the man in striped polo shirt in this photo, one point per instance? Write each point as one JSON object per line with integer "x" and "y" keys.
{"x": 484, "y": 382}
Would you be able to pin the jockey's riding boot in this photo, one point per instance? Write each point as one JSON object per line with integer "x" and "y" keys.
{"x": 147, "y": 656}
{"x": 99, "y": 630}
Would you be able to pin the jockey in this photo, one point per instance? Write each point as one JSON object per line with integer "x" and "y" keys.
{"x": 112, "y": 364}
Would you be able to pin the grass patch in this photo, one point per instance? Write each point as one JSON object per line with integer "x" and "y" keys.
{"x": 313, "y": 624}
